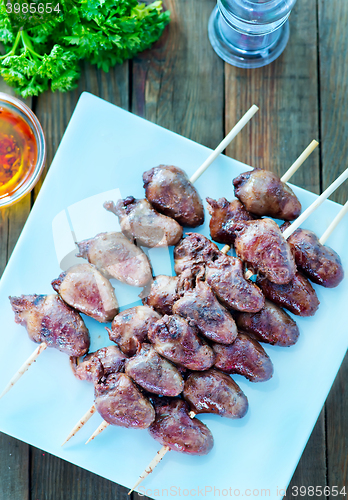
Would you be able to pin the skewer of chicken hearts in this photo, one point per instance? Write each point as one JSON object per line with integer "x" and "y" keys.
{"x": 52, "y": 321}
{"x": 151, "y": 372}
{"x": 263, "y": 193}
{"x": 303, "y": 300}
{"x": 254, "y": 247}
{"x": 180, "y": 294}
{"x": 320, "y": 263}
{"x": 223, "y": 273}
{"x": 257, "y": 191}
{"x": 117, "y": 398}
{"x": 210, "y": 391}
{"x": 177, "y": 339}
{"x": 129, "y": 329}
{"x": 298, "y": 295}
{"x": 259, "y": 243}
{"x": 172, "y": 200}
{"x": 174, "y": 339}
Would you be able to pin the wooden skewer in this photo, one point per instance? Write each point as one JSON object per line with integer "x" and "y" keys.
{"x": 155, "y": 461}
{"x": 81, "y": 423}
{"x": 24, "y": 367}
{"x": 315, "y": 204}
{"x": 100, "y": 429}
{"x": 296, "y": 165}
{"x": 225, "y": 142}
{"x": 290, "y": 172}
{"x": 225, "y": 249}
{"x": 334, "y": 223}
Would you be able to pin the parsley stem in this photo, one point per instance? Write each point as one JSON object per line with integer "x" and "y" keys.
{"x": 28, "y": 45}
{"x": 15, "y": 45}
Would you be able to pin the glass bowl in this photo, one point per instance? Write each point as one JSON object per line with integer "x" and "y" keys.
{"x": 28, "y": 180}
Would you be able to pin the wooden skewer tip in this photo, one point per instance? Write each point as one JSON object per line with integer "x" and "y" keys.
{"x": 81, "y": 423}
{"x": 154, "y": 462}
{"x": 334, "y": 223}
{"x": 32, "y": 358}
{"x": 248, "y": 274}
{"x": 100, "y": 429}
{"x": 225, "y": 249}
{"x": 328, "y": 191}
{"x": 300, "y": 160}
{"x": 225, "y": 142}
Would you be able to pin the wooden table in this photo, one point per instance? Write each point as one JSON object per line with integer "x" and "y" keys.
{"x": 182, "y": 85}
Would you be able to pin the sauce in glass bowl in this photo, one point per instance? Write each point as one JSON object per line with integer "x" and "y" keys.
{"x": 22, "y": 150}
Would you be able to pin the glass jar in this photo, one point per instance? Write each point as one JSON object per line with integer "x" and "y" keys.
{"x": 250, "y": 33}
{"x": 22, "y": 150}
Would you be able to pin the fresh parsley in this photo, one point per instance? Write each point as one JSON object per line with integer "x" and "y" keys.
{"x": 105, "y": 32}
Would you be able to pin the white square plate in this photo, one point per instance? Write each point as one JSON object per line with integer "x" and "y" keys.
{"x": 106, "y": 148}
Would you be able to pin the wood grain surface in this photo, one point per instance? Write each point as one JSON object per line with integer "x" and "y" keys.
{"x": 182, "y": 85}
{"x": 333, "y": 99}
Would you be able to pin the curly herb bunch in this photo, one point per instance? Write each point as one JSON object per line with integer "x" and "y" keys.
{"x": 105, "y": 32}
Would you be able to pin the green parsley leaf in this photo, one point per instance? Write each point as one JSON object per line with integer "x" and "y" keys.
{"x": 104, "y": 32}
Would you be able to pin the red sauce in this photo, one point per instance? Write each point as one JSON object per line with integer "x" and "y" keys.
{"x": 18, "y": 151}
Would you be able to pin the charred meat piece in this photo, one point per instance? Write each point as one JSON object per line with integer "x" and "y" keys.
{"x": 100, "y": 364}
{"x": 129, "y": 328}
{"x": 246, "y": 357}
{"x": 170, "y": 191}
{"x": 195, "y": 249}
{"x": 298, "y": 296}
{"x": 139, "y": 221}
{"x": 319, "y": 263}
{"x": 260, "y": 244}
{"x": 162, "y": 294}
{"x": 224, "y": 214}
{"x": 215, "y": 392}
{"x": 84, "y": 288}
{"x": 201, "y": 307}
{"x": 116, "y": 257}
{"x": 263, "y": 193}
{"x": 226, "y": 278}
{"x": 48, "y": 319}
{"x": 179, "y": 342}
{"x": 154, "y": 373}
{"x": 120, "y": 402}
{"x": 271, "y": 325}
{"x": 174, "y": 428}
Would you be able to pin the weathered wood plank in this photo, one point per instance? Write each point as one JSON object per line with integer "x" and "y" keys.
{"x": 14, "y": 469}
{"x": 333, "y": 48}
{"x": 337, "y": 431}
{"x": 178, "y": 84}
{"x": 14, "y": 455}
{"x": 287, "y": 94}
{"x": 55, "y": 479}
{"x": 306, "y": 473}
